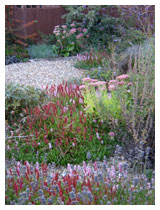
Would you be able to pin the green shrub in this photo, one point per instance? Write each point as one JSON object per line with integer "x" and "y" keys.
{"x": 41, "y": 51}
{"x": 19, "y": 97}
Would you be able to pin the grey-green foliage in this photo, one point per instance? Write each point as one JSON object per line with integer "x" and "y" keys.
{"x": 129, "y": 55}
{"x": 18, "y": 97}
{"x": 41, "y": 51}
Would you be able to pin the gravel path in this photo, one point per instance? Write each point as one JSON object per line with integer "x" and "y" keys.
{"x": 40, "y": 72}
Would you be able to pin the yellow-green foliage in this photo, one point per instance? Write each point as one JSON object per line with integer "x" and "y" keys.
{"x": 101, "y": 103}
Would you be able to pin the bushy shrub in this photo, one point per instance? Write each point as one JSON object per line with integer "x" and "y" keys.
{"x": 69, "y": 39}
{"x": 41, "y": 51}
{"x": 103, "y": 28}
{"x": 19, "y": 97}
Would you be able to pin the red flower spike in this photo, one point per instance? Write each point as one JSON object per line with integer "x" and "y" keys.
{"x": 17, "y": 170}
{"x": 56, "y": 177}
{"x": 66, "y": 141}
{"x": 60, "y": 141}
{"x": 27, "y": 177}
{"x": 65, "y": 119}
{"x": 58, "y": 103}
{"x": 27, "y": 111}
{"x": 71, "y": 113}
{"x": 36, "y": 133}
{"x": 28, "y": 119}
{"x": 90, "y": 137}
{"x": 45, "y": 183}
{"x": 45, "y": 128}
{"x": 16, "y": 188}
{"x": 52, "y": 119}
{"x": 11, "y": 173}
{"x": 45, "y": 139}
{"x": 80, "y": 120}
{"x": 35, "y": 143}
{"x": 89, "y": 185}
{"x": 57, "y": 143}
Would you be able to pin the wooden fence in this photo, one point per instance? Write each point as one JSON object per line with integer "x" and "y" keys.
{"x": 46, "y": 18}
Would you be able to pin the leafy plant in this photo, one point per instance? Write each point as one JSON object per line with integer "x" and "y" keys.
{"x": 19, "y": 97}
{"x": 41, "y": 51}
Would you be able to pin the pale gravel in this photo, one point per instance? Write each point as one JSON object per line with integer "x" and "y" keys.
{"x": 42, "y": 72}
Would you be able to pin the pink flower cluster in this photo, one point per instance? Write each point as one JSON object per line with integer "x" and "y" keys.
{"x": 73, "y": 30}
{"x": 122, "y": 77}
{"x": 120, "y": 80}
{"x": 79, "y": 36}
{"x": 93, "y": 82}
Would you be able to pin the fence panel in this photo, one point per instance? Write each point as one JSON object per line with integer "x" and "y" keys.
{"x": 46, "y": 19}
